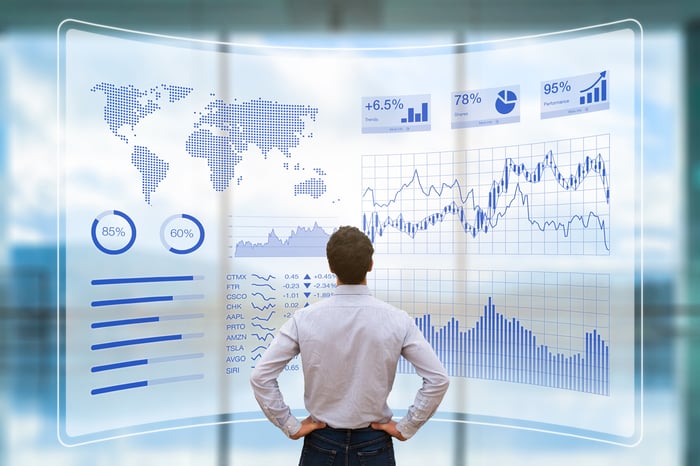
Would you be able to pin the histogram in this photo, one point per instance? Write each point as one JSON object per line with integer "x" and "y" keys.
{"x": 545, "y": 329}
{"x": 500, "y": 349}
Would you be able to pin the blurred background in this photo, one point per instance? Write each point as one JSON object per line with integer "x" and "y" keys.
{"x": 671, "y": 221}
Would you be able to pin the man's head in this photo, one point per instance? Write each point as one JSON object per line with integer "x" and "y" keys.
{"x": 349, "y": 253}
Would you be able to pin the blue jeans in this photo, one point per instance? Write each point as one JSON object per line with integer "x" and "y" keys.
{"x": 347, "y": 447}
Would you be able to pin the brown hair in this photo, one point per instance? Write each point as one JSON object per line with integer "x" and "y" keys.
{"x": 349, "y": 252}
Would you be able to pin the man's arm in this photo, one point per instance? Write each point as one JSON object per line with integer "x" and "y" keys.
{"x": 435, "y": 383}
{"x": 263, "y": 380}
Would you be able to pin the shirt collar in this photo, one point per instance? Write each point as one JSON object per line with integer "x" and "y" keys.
{"x": 352, "y": 289}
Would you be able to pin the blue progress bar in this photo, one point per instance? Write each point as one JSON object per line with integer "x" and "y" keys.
{"x": 114, "y": 388}
{"x": 144, "y": 320}
{"x": 143, "y": 362}
{"x": 119, "y": 365}
{"x": 126, "y": 280}
{"x": 143, "y": 299}
{"x": 116, "y": 323}
{"x": 145, "y": 383}
{"x": 135, "y": 341}
{"x": 141, "y": 341}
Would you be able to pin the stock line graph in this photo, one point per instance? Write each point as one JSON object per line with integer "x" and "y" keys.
{"x": 301, "y": 242}
{"x": 541, "y": 198}
{"x": 550, "y": 329}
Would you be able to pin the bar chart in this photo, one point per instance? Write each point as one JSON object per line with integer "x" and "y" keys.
{"x": 596, "y": 92}
{"x": 415, "y": 117}
{"x": 545, "y": 329}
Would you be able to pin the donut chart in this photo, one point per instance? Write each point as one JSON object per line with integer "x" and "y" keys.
{"x": 113, "y": 232}
{"x": 181, "y": 234}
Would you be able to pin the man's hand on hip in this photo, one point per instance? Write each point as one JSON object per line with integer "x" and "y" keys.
{"x": 308, "y": 425}
{"x": 389, "y": 428}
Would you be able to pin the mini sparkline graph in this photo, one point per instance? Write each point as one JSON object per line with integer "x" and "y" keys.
{"x": 541, "y": 198}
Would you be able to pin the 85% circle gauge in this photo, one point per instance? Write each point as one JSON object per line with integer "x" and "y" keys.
{"x": 113, "y": 232}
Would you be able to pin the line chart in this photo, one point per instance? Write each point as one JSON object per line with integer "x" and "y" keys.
{"x": 541, "y": 198}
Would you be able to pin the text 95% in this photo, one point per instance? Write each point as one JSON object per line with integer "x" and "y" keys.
{"x": 556, "y": 86}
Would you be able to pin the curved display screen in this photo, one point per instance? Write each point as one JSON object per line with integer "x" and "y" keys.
{"x": 499, "y": 182}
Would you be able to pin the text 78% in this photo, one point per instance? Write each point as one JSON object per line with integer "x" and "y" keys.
{"x": 467, "y": 98}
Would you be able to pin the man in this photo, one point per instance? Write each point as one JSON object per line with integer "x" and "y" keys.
{"x": 350, "y": 345}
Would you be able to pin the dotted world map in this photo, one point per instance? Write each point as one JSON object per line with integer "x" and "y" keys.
{"x": 222, "y": 135}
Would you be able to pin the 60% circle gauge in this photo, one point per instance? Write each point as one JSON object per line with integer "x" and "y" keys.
{"x": 182, "y": 234}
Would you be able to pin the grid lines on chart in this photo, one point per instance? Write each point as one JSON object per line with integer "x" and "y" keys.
{"x": 548, "y": 198}
{"x": 542, "y": 328}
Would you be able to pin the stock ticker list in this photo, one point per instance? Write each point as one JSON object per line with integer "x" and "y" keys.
{"x": 258, "y": 304}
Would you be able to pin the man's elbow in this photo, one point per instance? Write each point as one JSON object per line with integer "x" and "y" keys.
{"x": 256, "y": 379}
{"x": 442, "y": 383}
{"x": 260, "y": 380}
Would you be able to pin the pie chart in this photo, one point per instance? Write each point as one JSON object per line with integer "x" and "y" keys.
{"x": 505, "y": 103}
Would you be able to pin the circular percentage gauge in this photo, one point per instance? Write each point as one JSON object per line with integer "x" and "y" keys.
{"x": 181, "y": 234}
{"x": 113, "y": 232}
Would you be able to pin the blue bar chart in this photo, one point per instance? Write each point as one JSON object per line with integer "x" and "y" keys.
{"x": 504, "y": 350}
{"x": 417, "y": 117}
{"x": 575, "y": 95}
{"x": 596, "y": 92}
{"x": 396, "y": 113}
{"x": 546, "y": 329}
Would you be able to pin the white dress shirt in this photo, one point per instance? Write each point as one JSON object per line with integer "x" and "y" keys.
{"x": 350, "y": 345}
